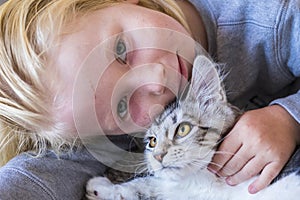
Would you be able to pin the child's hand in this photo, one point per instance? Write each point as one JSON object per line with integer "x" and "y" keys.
{"x": 261, "y": 141}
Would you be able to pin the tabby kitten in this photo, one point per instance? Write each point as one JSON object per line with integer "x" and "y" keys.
{"x": 180, "y": 144}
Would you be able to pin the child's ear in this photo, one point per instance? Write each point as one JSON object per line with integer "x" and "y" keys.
{"x": 132, "y": 1}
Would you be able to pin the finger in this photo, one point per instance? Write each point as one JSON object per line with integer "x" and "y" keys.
{"x": 251, "y": 169}
{"x": 265, "y": 178}
{"x": 236, "y": 163}
{"x": 224, "y": 153}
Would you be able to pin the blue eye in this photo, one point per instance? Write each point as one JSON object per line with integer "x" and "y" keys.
{"x": 122, "y": 108}
{"x": 121, "y": 51}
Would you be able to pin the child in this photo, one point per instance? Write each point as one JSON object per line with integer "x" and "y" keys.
{"x": 51, "y": 90}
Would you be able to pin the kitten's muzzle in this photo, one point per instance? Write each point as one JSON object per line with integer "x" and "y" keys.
{"x": 159, "y": 157}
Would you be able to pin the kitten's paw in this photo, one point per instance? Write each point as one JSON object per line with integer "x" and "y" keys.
{"x": 101, "y": 188}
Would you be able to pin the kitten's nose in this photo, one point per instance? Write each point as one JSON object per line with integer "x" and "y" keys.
{"x": 159, "y": 157}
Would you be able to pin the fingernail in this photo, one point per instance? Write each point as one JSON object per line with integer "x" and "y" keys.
{"x": 252, "y": 189}
{"x": 229, "y": 181}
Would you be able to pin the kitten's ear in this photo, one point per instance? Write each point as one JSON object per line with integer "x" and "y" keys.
{"x": 205, "y": 83}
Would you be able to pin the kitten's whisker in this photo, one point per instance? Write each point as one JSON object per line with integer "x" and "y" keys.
{"x": 130, "y": 164}
{"x": 155, "y": 170}
{"x": 187, "y": 146}
{"x": 203, "y": 163}
{"x": 141, "y": 171}
{"x": 200, "y": 161}
{"x": 224, "y": 153}
{"x": 229, "y": 153}
{"x": 199, "y": 150}
{"x": 223, "y": 138}
{"x": 225, "y": 169}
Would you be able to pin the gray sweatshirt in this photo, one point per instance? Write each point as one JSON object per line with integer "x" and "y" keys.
{"x": 258, "y": 43}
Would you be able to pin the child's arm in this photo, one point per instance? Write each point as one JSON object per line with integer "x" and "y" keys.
{"x": 262, "y": 141}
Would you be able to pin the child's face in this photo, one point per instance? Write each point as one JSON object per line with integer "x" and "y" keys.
{"x": 120, "y": 66}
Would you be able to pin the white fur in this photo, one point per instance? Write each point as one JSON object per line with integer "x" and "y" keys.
{"x": 201, "y": 185}
{"x": 180, "y": 170}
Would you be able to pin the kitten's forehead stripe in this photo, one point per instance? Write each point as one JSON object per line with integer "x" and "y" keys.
{"x": 200, "y": 139}
{"x": 167, "y": 133}
{"x": 202, "y": 136}
{"x": 174, "y": 119}
{"x": 189, "y": 116}
{"x": 169, "y": 110}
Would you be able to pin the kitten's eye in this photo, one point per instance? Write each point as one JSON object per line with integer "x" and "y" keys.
{"x": 152, "y": 142}
{"x": 183, "y": 129}
{"x": 122, "y": 108}
{"x": 121, "y": 51}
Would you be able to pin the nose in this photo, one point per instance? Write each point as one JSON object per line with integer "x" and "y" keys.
{"x": 150, "y": 94}
{"x": 154, "y": 89}
{"x": 159, "y": 156}
{"x": 156, "y": 77}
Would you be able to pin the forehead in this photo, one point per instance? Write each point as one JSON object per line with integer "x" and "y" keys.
{"x": 66, "y": 60}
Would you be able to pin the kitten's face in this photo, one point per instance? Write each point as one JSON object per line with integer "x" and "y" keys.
{"x": 181, "y": 142}
{"x": 184, "y": 138}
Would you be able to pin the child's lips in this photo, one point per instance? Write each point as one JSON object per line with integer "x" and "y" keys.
{"x": 184, "y": 76}
{"x": 182, "y": 67}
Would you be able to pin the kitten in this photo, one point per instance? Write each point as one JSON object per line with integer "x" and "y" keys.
{"x": 181, "y": 143}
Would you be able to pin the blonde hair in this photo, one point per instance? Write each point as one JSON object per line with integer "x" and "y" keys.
{"x": 27, "y": 28}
